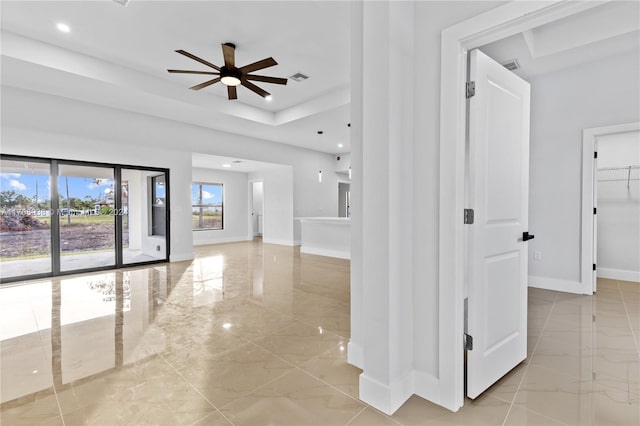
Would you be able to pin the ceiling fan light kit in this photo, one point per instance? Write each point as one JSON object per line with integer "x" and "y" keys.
{"x": 230, "y": 75}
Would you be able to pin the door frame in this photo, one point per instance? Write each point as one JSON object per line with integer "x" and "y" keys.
{"x": 588, "y": 248}
{"x": 250, "y": 235}
{"x": 496, "y": 24}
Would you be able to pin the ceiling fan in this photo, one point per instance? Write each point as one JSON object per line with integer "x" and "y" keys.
{"x": 230, "y": 75}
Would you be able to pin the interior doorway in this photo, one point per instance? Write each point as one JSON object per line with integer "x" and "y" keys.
{"x": 344, "y": 199}
{"x": 257, "y": 208}
{"x": 610, "y": 216}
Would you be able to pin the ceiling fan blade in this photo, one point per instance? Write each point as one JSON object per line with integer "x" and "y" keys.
{"x": 232, "y": 92}
{"x": 265, "y": 63}
{"x": 274, "y": 80}
{"x": 229, "y": 55}
{"x": 205, "y": 84}
{"x": 194, "y": 72}
{"x": 255, "y": 88}
{"x": 195, "y": 58}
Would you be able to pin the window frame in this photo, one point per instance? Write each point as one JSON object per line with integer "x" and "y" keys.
{"x": 204, "y": 206}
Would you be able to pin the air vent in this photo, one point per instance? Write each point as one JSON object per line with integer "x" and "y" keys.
{"x": 237, "y": 161}
{"x": 511, "y": 64}
{"x": 298, "y": 77}
{"x": 122, "y": 2}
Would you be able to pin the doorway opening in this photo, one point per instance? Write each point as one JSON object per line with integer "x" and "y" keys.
{"x": 257, "y": 208}
{"x": 344, "y": 199}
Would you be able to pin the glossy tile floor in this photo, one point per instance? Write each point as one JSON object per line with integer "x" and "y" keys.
{"x": 252, "y": 334}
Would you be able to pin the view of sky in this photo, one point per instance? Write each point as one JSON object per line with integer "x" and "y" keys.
{"x": 211, "y": 194}
{"x": 79, "y": 187}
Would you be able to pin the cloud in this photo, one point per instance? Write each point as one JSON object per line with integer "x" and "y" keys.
{"x": 10, "y": 175}
{"x": 17, "y": 185}
{"x": 206, "y": 195}
{"x": 100, "y": 182}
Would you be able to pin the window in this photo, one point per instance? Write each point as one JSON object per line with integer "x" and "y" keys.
{"x": 206, "y": 200}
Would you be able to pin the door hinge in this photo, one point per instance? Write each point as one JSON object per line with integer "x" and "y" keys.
{"x": 468, "y": 216}
{"x": 471, "y": 89}
{"x": 595, "y": 154}
{"x": 468, "y": 342}
{"x": 595, "y": 210}
{"x": 594, "y": 266}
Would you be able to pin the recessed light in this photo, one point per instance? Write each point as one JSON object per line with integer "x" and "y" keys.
{"x": 268, "y": 98}
{"x": 226, "y": 325}
{"x": 226, "y": 165}
{"x": 340, "y": 145}
{"x": 64, "y": 28}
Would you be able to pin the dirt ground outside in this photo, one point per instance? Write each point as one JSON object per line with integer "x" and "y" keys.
{"x": 73, "y": 238}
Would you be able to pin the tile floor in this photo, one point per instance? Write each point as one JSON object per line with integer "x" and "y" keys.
{"x": 252, "y": 334}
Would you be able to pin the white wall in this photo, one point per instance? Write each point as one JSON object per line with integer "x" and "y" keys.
{"x": 31, "y": 110}
{"x": 236, "y": 206}
{"x": 278, "y": 204}
{"x": 618, "y": 209}
{"x": 564, "y": 103}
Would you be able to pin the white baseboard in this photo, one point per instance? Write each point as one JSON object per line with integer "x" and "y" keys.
{"x": 324, "y": 252}
{"x": 276, "y": 241}
{"x": 618, "y": 274}
{"x": 558, "y": 285}
{"x": 427, "y": 386}
{"x": 181, "y": 257}
{"x": 386, "y": 398}
{"x": 297, "y": 242}
{"x": 221, "y": 240}
{"x": 354, "y": 354}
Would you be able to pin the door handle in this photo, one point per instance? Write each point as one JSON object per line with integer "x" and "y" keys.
{"x": 527, "y": 237}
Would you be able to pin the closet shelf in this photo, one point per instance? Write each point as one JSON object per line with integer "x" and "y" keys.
{"x": 622, "y": 174}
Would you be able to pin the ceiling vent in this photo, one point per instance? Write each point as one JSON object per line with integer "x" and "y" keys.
{"x": 122, "y": 2}
{"x": 236, "y": 161}
{"x": 511, "y": 64}
{"x": 298, "y": 77}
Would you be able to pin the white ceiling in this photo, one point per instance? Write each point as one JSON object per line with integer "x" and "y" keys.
{"x": 117, "y": 56}
{"x": 207, "y": 161}
{"x": 607, "y": 30}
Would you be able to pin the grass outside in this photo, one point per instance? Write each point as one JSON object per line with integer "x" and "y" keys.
{"x": 209, "y": 221}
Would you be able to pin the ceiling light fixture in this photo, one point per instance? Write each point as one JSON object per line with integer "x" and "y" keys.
{"x": 268, "y": 98}
{"x": 229, "y": 78}
{"x": 226, "y": 165}
{"x": 63, "y": 28}
{"x": 340, "y": 145}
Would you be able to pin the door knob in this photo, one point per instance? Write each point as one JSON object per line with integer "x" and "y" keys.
{"x": 527, "y": 237}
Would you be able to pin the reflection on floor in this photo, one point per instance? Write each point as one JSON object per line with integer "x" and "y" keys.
{"x": 256, "y": 334}
{"x": 71, "y": 262}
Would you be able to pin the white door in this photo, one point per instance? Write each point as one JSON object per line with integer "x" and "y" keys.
{"x": 498, "y": 192}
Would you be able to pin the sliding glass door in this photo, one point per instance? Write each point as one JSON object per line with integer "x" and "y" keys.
{"x": 58, "y": 217}
{"x": 25, "y": 217}
{"x": 144, "y": 215}
{"x": 86, "y": 214}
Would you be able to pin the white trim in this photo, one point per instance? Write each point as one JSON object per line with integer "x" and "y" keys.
{"x": 619, "y": 274}
{"x": 558, "y": 285}
{"x": 325, "y": 252}
{"x": 355, "y": 354}
{"x": 426, "y": 386}
{"x": 589, "y": 138}
{"x": 278, "y": 242}
{"x": 386, "y": 398}
{"x": 496, "y": 24}
{"x": 181, "y": 257}
{"x": 222, "y": 240}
